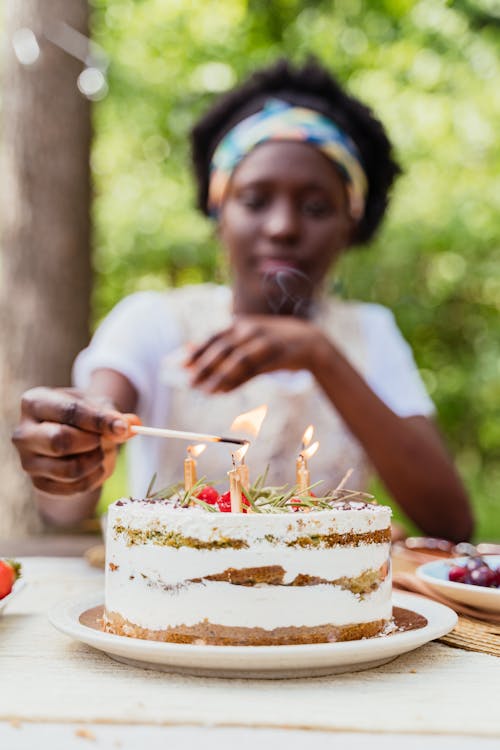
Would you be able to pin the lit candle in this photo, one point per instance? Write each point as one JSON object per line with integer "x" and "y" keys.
{"x": 250, "y": 422}
{"x": 302, "y": 472}
{"x": 190, "y": 478}
{"x": 303, "y": 476}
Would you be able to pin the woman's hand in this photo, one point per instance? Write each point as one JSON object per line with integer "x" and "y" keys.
{"x": 254, "y": 344}
{"x": 68, "y": 442}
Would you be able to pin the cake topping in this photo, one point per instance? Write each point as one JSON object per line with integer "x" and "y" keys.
{"x": 257, "y": 498}
{"x": 224, "y": 503}
{"x": 208, "y": 494}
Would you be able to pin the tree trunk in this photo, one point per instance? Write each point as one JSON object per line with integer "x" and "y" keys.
{"x": 45, "y": 275}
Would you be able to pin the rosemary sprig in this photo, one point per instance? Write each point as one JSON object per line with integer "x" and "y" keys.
{"x": 203, "y": 504}
{"x": 166, "y": 493}
{"x": 151, "y": 484}
{"x": 190, "y": 495}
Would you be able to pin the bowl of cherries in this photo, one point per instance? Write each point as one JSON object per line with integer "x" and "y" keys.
{"x": 472, "y": 580}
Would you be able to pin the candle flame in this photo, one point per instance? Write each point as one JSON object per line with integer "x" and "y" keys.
{"x": 239, "y": 455}
{"x": 251, "y": 421}
{"x": 309, "y": 452}
{"x": 307, "y": 436}
{"x": 196, "y": 450}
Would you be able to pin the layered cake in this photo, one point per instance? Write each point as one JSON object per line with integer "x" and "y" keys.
{"x": 192, "y": 574}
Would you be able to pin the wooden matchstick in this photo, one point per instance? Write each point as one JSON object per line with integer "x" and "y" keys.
{"x": 164, "y": 433}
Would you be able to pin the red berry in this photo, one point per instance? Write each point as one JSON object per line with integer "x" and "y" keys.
{"x": 224, "y": 503}
{"x": 208, "y": 494}
{"x": 497, "y": 578}
{"x": 458, "y": 574}
{"x": 482, "y": 576}
{"x": 9, "y": 573}
{"x": 474, "y": 562}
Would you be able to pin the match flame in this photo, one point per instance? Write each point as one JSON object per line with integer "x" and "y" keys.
{"x": 307, "y": 436}
{"x": 240, "y": 454}
{"x": 250, "y": 422}
{"x": 309, "y": 452}
{"x": 196, "y": 450}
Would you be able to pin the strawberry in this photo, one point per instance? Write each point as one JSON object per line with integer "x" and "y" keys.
{"x": 208, "y": 494}
{"x": 295, "y": 504}
{"x": 9, "y": 573}
{"x": 224, "y": 503}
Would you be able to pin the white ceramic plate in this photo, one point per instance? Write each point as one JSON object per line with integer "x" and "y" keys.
{"x": 436, "y": 575}
{"x": 19, "y": 584}
{"x": 260, "y": 662}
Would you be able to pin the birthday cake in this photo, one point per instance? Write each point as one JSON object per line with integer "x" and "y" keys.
{"x": 285, "y": 573}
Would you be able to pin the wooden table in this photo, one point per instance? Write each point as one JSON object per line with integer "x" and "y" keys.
{"x": 58, "y": 693}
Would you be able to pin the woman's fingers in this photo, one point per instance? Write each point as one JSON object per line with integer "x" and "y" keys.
{"x": 198, "y": 351}
{"x": 72, "y": 474}
{"x": 83, "y": 484}
{"x": 217, "y": 351}
{"x": 70, "y": 408}
{"x": 212, "y": 358}
{"x": 244, "y": 363}
{"x": 53, "y": 439}
{"x": 68, "y": 469}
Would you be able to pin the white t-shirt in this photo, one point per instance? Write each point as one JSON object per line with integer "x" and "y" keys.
{"x": 140, "y": 332}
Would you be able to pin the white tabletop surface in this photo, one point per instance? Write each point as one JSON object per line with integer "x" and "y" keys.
{"x": 58, "y": 693}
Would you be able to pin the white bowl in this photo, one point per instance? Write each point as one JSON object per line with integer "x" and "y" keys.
{"x": 435, "y": 574}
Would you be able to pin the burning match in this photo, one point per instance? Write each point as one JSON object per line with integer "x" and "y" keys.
{"x": 160, "y": 432}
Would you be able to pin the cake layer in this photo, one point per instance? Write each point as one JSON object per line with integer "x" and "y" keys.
{"x": 142, "y": 521}
{"x": 171, "y": 566}
{"x": 220, "y": 635}
{"x": 265, "y": 606}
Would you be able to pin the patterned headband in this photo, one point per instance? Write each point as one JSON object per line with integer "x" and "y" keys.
{"x": 280, "y": 121}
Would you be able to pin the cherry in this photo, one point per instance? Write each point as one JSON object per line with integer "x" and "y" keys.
{"x": 476, "y": 571}
{"x": 482, "y": 576}
{"x": 208, "y": 494}
{"x": 458, "y": 574}
{"x": 224, "y": 503}
{"x": 474, "y": 562}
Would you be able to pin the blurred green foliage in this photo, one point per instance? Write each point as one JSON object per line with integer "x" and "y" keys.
{"x": 430, "y": 70}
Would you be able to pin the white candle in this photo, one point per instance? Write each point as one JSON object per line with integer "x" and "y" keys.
{"x": 189, "y": 473}
{"x": 303, "y": 476}
{"x": 302, "y": 472}
{"x": 190, "y": 477}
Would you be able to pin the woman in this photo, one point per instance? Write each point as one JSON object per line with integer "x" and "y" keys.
{"x": 295, "y": 172}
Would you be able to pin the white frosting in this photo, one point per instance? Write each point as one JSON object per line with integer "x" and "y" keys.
{"x": 247, "y": 606}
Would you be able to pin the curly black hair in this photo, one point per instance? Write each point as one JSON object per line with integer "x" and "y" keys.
{"x": 311, "y": 86}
